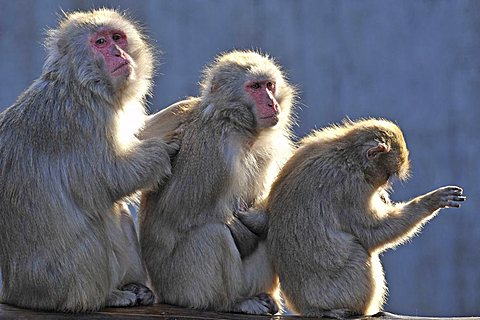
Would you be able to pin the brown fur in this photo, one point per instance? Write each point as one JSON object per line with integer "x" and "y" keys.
{"x": 330, "y": 217}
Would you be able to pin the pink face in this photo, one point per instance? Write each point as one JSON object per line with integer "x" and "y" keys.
{"x": 112, "y": 45}
{"x": 263, "y": 94}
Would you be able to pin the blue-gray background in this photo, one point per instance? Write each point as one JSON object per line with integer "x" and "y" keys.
{"x": 415, "y": 62}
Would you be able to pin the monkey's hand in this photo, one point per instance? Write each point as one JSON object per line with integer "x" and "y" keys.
{"x": 446, "y": 197}
{"x": 174, "y": 140}
{"x": 157, "y": 159}
{"x": 255, "y": 221}
{"x": 173, "y": 145}
{"x": 245, "y": 240}
{"x": 145, "y": 296}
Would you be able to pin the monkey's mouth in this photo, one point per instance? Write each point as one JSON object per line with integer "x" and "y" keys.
{"x": 125, "y": 64}
{"x": 270, "y": 120}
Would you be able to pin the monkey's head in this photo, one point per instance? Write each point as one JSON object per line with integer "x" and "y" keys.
{"x": 381, "y": 146}
{"x": 101, "y": 50}
{"x": 373, "y": 148}
{"x": 253, "y": 84}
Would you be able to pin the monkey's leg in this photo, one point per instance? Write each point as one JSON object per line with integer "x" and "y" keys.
{"x": 259, "y": 281}
{"x": 135, "y": 278}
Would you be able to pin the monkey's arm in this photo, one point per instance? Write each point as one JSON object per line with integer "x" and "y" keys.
{"x": 164, "y": 124}
{"x": 400, "y": 222}
{"x": 146, "y": 165}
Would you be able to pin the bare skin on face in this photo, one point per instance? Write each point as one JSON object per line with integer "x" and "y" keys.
{"x": 112, "y": 45}
{"x": 263, "y": 94}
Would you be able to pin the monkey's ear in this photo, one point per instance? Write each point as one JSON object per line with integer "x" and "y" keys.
{"x": 374, "y": 152}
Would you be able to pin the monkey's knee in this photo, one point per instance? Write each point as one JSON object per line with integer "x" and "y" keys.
{"x": 145, "y": 296}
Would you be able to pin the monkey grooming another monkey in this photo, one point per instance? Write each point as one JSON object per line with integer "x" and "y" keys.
{"x": 198, "y": 235}
{"x": 69, "y": 157}
{"x": 330, "y": 217}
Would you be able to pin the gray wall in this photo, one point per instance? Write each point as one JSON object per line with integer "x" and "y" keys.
{"x": 415, "y": 62}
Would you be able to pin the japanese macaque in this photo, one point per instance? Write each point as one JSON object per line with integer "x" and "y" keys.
{"x": 235, "y": 137}
{"x": 330, "y": 217}
{"x": 69, "y": 158}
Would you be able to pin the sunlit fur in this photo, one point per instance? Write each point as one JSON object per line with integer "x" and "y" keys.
{"x": 67, "y": 241}
{"x": 330, "y": 217}
{"x": 189, "y": 252}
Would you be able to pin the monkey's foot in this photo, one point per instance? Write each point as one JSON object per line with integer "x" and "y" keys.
{"x": 261, "y": 304}
{"x": 385, "y": 314}
{"x": 339, "y": 314}
{"x": 121, "y": 299}
{"x": 145, "y": 296}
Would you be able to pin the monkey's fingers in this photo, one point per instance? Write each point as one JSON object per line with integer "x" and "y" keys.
{"x": 452, "y": 201}
{"x": 268, "y": 302}
{"x": 453, "y": 190}
{"x": 455, "y": 198}
{"x": 145, "y": 296}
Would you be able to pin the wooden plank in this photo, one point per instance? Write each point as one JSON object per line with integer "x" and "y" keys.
{"x": 165, "y": 312}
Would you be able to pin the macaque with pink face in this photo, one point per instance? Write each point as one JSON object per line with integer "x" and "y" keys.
{"x": 70, "y": 157}
{"x": 201, "y": 235}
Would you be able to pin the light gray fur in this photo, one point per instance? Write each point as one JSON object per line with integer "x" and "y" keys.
{"x": 67, "y": 163}
{"x": 330, "y": 217}
{"x": 224, "y": 158}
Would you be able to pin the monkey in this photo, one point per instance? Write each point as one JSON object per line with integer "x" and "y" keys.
{"x": 234, "y": 138}
{"x": 330, "y": 217}
{"x": 70, "y": 160}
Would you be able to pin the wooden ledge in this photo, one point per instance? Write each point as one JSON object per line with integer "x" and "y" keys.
{"x": 162, "y": 311}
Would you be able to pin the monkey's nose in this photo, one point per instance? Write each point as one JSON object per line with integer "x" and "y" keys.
{"x": 117, "y": 51}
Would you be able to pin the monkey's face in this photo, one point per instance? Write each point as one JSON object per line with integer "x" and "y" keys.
{"x": 265, "y": 105}
{"x": 386, "y": 158}
{"x": 111, "y": 46}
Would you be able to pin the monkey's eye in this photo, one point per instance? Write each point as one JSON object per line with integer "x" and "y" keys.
{"x": 100, "y": 41}
{"x": 270, "y": 85}
{"x": 256, "y": 85}
{"x": 116, "y": 37}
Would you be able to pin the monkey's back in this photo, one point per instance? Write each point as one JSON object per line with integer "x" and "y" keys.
{"x": 44, "y": 179}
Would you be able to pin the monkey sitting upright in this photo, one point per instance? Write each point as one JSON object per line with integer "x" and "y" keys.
{"x": 198, "y": 243}
{"x": 330, "y": 217}
{"x": 69, "y": 158}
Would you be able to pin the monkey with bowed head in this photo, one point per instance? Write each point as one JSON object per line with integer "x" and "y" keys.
{"x": 330, "y": 217}
{"x": 200, "y": 238}
{"x": 69, "y": 159}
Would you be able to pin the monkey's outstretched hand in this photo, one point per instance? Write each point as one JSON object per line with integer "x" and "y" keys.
{"x": 445, "y": 197}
